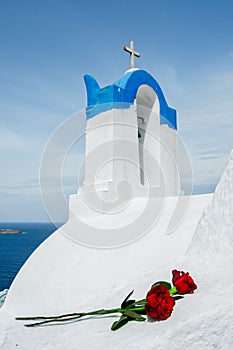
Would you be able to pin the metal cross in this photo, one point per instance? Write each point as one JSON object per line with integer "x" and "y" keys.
{"x": 132, "y": 53}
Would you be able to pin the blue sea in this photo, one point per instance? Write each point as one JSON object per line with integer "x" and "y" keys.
{"x": 16, "y": 248}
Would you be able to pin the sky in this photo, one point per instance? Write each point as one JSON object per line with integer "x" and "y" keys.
{"x": 47, "y": 47}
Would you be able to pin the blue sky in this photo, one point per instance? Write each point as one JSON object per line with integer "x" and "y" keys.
{"x": 47, "y": 47}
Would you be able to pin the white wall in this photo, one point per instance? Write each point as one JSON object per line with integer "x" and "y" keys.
{"x": 112, "y": 148}
{"x": 169, "y": 160}
{"x": 115, "y": 153}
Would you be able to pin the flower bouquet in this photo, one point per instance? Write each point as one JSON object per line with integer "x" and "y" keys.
{"x": 158, "y": 304}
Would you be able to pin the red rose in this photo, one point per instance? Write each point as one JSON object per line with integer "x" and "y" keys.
{"x": 183, "y": 282}
{"x": 159, "y": 303}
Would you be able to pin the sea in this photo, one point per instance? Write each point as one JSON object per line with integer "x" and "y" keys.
{"x": 16, "y": 248}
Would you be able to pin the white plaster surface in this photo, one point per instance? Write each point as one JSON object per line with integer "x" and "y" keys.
{"x": 106, "y": 250}
{"x": 114, "y": 153}
{"x": 62, "y": 276}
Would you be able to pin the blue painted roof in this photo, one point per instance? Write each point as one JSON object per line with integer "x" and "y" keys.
{"x": 122, "y": 93}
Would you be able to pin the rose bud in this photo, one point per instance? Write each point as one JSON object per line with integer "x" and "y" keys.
{"x": 159, "y": 303}
{"x": 183, "y": 282}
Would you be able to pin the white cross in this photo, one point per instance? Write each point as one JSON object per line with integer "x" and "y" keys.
{"x": 132, "y": 53}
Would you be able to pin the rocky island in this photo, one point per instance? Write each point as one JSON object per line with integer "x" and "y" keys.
{"x": 5, "y": 231}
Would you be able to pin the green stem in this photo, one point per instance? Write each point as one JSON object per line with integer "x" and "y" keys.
{"x": 53, "y": 320}
{"x": 75, "y": 316}
{"x": 46, "y": 317}
{"x": 173, "y": 290}
{"x": 37, "y": 318}
{"x": 66, "y": 318}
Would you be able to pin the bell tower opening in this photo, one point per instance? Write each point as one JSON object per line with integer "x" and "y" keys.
{"x": 147, "y": 107}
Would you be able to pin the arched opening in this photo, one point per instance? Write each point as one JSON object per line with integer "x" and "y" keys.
{"x": 147, "y": 103}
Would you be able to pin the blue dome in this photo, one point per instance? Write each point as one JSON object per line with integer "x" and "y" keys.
{"x": 122, "y": 93}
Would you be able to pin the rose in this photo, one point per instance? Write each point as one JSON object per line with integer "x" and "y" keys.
{"x": 183, "y": 282}
{"x": 159, "y": 303}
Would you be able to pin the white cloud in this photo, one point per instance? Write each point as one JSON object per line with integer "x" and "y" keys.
{"x": 206, "y": 122}
{"x": 10, "y": 141}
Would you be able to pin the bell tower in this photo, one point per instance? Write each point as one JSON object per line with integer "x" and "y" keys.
{"x": 131, "y": 144}
{"x": 131, "y": 135}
